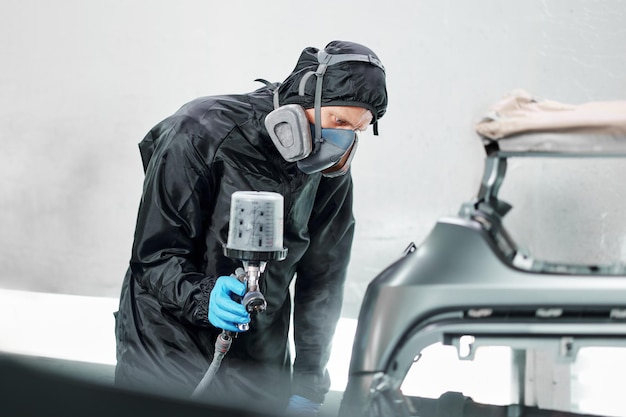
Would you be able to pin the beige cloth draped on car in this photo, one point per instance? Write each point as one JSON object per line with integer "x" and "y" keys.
{"x": 532, "y": 124}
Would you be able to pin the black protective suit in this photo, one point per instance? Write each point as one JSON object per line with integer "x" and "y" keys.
{"x": 194, "y": 161}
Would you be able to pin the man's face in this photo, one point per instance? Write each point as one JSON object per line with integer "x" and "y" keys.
{"x": 342, "y": 117}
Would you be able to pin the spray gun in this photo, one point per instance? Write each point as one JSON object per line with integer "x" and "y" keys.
{"x": 255, "y": 236}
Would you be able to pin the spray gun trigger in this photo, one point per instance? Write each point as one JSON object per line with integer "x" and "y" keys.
{"x": 240, "y": 274}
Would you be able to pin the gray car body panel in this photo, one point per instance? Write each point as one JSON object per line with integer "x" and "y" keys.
{"x": 468, "y": 277}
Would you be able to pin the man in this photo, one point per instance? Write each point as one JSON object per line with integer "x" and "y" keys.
{"x": 177, "y": 294}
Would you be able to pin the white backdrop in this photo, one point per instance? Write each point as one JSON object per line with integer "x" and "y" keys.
{"x": 81, "y": 82}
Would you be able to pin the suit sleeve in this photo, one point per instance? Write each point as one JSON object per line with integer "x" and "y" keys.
{"x": 319, "y": 286}
{"x": 169, "y": 235}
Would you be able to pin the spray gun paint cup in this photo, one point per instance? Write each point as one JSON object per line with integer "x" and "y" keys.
{"x": 256, "y": 224}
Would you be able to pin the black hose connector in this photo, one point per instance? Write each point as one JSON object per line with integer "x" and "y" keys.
{"x": 254, "y": 301}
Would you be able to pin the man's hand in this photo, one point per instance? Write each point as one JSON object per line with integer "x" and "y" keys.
{"x": 303, "y": 407}
{"x": 224, "y": 312}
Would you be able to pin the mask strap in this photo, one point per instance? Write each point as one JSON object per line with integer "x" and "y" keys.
{"x": 318, "y": 102}
{"x": 276, "y": 104}
{"x": 303, "y": 81}
{"x": 330, "y": 59}
{"x": 274, "y": 89}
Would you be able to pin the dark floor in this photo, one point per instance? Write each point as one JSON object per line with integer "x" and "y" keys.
{"x": 50, "y": 386}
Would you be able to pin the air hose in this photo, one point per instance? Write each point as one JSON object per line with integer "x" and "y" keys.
{"x": 222, "y": 344}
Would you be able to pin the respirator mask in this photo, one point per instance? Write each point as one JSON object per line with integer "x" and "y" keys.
{"x": 330, "y": 151}
{"x": 313, "y": 148}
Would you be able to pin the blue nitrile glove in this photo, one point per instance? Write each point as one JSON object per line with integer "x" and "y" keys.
{"x": 224, "y": 312}
{"x": 300, "y": 406}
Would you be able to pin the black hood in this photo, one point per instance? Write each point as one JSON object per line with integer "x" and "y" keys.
{"x": 348, "y": 83}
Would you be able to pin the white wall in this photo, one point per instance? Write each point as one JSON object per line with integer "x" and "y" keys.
{"x": 82, "y": 82}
